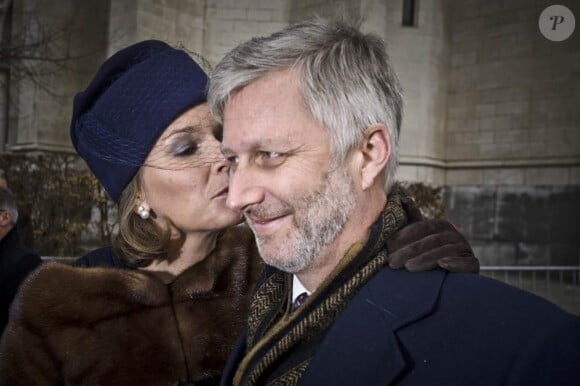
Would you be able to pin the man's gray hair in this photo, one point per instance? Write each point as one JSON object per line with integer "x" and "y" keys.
{"x": 346, "y": 79}
{"x": 8, "y": 203}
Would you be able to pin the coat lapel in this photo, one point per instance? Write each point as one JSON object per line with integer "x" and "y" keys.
{"x": 362, "y": 345}
{"x": 234, "y": 360}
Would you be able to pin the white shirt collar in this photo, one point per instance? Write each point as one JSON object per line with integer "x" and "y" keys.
{"x": 298, "y": 288}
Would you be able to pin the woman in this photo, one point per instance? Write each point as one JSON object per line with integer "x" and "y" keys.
{"x": 169, "y": 311}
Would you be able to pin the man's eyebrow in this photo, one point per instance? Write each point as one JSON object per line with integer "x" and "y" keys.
{"x": 256, "y": 145}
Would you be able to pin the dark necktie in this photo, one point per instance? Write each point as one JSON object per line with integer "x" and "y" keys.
{"x": 299, "y": 300}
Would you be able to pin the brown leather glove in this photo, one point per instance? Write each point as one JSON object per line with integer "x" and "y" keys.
{"x": 425, "y": 244}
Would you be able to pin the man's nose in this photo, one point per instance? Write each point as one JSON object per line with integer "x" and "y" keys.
{"x": 244, "y": 190}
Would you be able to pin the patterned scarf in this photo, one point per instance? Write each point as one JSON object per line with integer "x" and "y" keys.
{"x": 281, "y": 343}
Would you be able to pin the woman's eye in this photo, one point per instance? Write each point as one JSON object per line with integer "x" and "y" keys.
{"x": 185, "y": 149}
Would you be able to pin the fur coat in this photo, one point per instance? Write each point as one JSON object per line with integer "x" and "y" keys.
{"x": 109, "y": 326}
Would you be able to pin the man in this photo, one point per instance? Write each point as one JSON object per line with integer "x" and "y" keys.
{"x": 311, "y": 117}
{"x": 24, "y": 225}
{"x": 3, "y": 180}
{"x": 16, "y": 261}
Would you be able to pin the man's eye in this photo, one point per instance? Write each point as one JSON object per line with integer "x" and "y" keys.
{"x": 271, "y": 158}
{"x": 271, "y": 154}
{"x": 233, "y": 160}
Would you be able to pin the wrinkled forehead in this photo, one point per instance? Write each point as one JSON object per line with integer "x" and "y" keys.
{"x": 266, "y": 111}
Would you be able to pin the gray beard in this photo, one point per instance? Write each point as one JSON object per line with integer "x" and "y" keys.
{"x": 319, "y": 218}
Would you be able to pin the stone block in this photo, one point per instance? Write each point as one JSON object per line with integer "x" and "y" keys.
{"x": 528, "y": 150}
{"x": 455, "y": 177}
{"x": 545, "y": 134}
{"x": 495, "y": 123}
{"x": 216, "y": 26}
{"x": 575, "y": 175}
{"x": 514, "y": 5}
{"x": 481, "y": 137}
{"x": 485, "y": 110}
{"x": 266, "y": 28}
{"x": 572, "y": 134}
{"x": 227, "y": 13}
{"x": 516, "y": 49}
{"x": 245, "y": 27}
{"x": 259, "y": 14}
{"x": 495, "y": 151}
{"x": 533, "y": 254}
{"x": 565, "y": 254}
{"x": 504, "y": 176}
{"x": 547, "y": 176}
{"x": 491, "y": 9}
{"x": 463, "y": 59}
{"x": 564, "y": 215}
{"x": 563, "y": 148}
{"x": 462, "y": 124}
{"x": 462, "y": 10}
{"x": 431, "y": 175}
{"x": 455, "y": 138}
{"x": 464, "y": 98}
{"x": 279, "y": 15}
{"x": 522, "y": 214}
{"x": 521, "y": 121}
{"x": 471, "y": 209}
{"x": 494, "y": 253}
{"x": 512, "y": 136}
{"x": 460, "y": 112}
{"x": 513, "y": 108}
{"x": 406, "y": 173}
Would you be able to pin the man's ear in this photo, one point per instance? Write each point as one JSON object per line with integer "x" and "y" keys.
{"x": 5, "y": 218}
{"x": 376, "y": 150}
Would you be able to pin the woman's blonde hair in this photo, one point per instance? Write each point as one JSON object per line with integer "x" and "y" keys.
{"x": 138, "y": 241}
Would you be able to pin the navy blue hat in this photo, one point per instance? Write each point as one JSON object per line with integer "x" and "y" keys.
{"x": 132, "y": 99}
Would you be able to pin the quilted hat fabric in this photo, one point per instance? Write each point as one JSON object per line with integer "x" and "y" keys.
{"x": 132, "y": 99}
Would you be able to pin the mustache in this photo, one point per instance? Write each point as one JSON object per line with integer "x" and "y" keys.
{"x": 265, "y": 212}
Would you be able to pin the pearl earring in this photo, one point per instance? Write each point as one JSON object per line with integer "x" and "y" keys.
{"x": 143, "y": 212}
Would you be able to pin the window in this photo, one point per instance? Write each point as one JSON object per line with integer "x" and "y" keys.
{"x": 409, "y": 13}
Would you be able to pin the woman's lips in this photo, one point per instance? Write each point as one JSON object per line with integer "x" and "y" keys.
{"x": 221, "y": 193}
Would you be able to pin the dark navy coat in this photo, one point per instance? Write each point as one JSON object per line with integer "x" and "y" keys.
{"x": 16, "y": 262}
{"x": 439, "y": 328}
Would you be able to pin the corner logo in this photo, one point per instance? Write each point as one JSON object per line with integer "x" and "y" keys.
{"x": 557, "y": 23}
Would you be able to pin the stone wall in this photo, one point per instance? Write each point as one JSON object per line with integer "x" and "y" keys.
{"x": 537, "y": 225}
{"x": 491, "y": 105}
{"x": 40, "y": 106}
{"x": 420, "y": 55}
{"x": 512, "y": 142}
{"x": 512, "y": 115}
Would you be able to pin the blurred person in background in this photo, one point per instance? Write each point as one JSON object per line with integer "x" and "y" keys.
{"x": 165, "y": 303}
{"x": 24, "y": 224}
{"x": 3, "y": 180}
{"x": 16, "y": 260}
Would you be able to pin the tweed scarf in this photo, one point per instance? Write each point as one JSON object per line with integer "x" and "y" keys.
{"x": 280, "y": 343}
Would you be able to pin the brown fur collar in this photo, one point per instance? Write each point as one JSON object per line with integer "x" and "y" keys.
{"x": 76, "y": 320}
